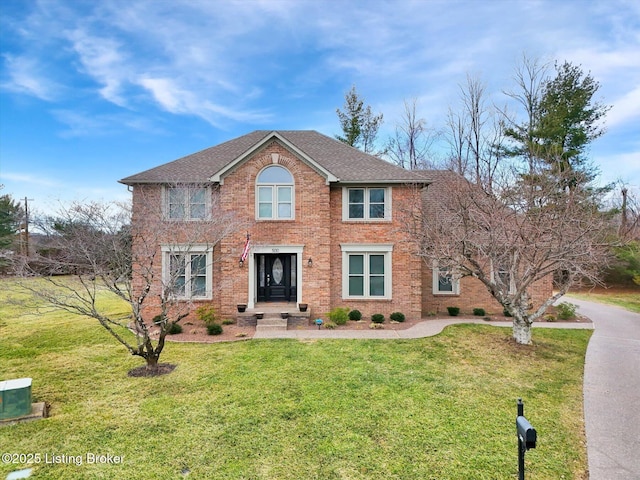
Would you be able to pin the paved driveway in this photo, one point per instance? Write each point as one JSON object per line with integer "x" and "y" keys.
{"x": 612, "y": 392}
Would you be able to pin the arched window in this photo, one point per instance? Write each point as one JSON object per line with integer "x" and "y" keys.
{"x": 274, "y": 194}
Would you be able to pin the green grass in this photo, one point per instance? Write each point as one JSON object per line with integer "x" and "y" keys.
{"x": 625, "y": 298}
{"x": 434, "y": 408}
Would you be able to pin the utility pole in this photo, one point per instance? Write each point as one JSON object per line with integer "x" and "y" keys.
{"x": 26, "y": 225}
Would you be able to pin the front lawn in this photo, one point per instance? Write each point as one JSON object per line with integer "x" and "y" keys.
{"x": 434, "y": 408}
{"x": 628, "y": 298}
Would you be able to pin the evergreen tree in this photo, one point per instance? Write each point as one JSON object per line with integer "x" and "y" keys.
{"x": 359, "y": 125}
{"x": 563, "y": 118}
{"x": 11, "y": 214}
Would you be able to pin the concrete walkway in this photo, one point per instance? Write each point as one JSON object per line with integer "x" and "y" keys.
{"x": 426, "y": 328}
{"x": 612, "y": 392}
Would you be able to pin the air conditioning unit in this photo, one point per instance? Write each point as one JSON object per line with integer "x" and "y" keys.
{"x": 15, "y": 398}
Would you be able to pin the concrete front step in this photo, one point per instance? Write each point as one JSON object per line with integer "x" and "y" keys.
{"x": 272, "y": 324}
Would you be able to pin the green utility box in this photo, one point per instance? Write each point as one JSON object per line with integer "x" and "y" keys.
{"x": 15, "y": 398}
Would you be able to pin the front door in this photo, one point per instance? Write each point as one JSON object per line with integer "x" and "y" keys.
{"x": 276, "y": 277}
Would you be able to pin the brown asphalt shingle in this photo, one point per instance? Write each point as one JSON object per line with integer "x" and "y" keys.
{"x": 346, "y": 163}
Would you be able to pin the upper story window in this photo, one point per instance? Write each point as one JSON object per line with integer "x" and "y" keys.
{"x": 274, "y": 194}
{"x": 366, "y": 203}
{"x": 186, "y": 202}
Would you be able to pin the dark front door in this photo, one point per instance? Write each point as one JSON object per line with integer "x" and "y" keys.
{"x": 276, "y": 277}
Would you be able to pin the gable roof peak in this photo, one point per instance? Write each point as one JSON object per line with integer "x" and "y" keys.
{"x": 335, "y": 160}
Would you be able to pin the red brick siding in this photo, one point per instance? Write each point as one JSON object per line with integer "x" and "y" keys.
{"x": 473, "y": 294}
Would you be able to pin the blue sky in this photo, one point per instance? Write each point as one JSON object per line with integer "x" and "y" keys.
{"x": 91, "y": 92}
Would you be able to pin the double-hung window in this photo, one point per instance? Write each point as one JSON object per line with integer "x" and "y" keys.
{"x": 187, "y": 271}
{"x": 444, "y": 281}
{"x": 366, "y": 203}
{"x": 274, "y": 194}
{"x": 502, "y": 276}
{"x": 186, "y": 202}
{"x": 366, "y": 271}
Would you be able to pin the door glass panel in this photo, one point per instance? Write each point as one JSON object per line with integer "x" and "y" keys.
{"x": 293, "y": 271}
{"x": 277, "y": 271}
{"x": 261, "y": 272}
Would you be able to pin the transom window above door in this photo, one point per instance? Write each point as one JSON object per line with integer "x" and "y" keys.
{"x": 275, "y": 194}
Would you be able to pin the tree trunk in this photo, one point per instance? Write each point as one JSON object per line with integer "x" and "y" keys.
{"x": 522, "y": 332}
{"x": 152, "y": 361}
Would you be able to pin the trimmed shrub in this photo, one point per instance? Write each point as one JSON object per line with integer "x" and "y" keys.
{"x": 339, "y": 315}
{"x": 377, "y": 318}
{"x": 228, "y": 321}
{"x": 549, "y": 317}
{"x": 453, "y": 311}
{"x": 174, "y": 329}
{"x": 397, "y": 317}
{"x": 479, "y": 312}
{"x": 330, "y": 325}
{"x": 355, "y": 315}
{"x": 207, "y": 314}
{"x": 214, "y": 328}
{"x": 567, "y": 310}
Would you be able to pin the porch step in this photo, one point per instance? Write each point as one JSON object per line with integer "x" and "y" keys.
{"x": 271, "y": 324}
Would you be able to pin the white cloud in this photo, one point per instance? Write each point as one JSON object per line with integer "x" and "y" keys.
{"x": 176, "y": 99}
{"x": 29, "y": 179}
{"x": 626, "y": 109}
{"x": 26, "y": 76}
{"x": 103, "y": 59}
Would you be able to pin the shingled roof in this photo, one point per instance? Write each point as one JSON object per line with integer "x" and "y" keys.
{"x": 337, "y": 160}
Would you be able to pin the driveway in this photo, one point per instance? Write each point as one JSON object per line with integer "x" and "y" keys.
{"x": 612, "y": 392}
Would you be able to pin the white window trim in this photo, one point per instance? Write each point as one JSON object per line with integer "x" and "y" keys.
{"x": 168, "y": 250}
{"x": 274, "y": 197}
{"x": 387, "y": 204}
{"x": 366, "y": 249}
{"x": 187, "y": 217}
{"x": 455, "y": 281}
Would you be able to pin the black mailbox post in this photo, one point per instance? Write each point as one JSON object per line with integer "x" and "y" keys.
{"x": 527, "y": 437}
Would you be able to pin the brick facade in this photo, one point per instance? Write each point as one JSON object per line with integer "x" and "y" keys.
{"x": 315, "y": 238}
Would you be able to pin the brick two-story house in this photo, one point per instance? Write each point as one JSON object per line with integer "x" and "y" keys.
{"x": 324, "y": 221}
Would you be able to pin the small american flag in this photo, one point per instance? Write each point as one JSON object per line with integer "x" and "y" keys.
{"x": 245, "y": 252}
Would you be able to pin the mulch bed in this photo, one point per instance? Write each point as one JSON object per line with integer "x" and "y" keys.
{"x": 143, "y": 371}
{"x": 196, "y": 332}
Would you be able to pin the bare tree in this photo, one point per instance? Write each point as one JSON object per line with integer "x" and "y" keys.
{"x": 152, "y": 263}
{"x": 475, "y": 135}
{"x": 410, "y": 146}
{"x": 456, "y": 137}
{"x": 513, "y": 240}
{"x": 531, "y": 75}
